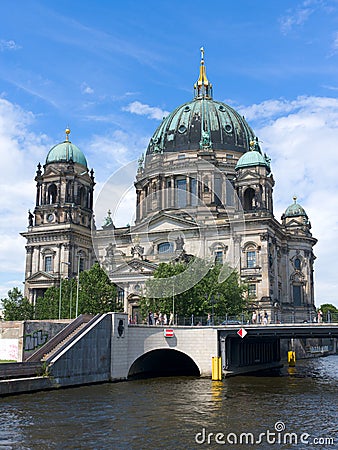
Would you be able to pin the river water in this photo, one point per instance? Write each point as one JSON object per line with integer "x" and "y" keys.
{"x": 182, "y": 413}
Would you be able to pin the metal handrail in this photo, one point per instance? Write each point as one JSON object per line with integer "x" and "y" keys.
{"x": 72, "y": 339}
{"x": 59, "y": 337}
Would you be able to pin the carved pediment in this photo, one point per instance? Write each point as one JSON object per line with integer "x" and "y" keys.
{"x": 134, "y": 266}
{"x": 42, "y": 277}
{"x": 248, "y": 175}
{"x": 164, "y": 222}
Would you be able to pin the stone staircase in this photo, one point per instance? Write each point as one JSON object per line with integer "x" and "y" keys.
{"x": 55, "y": 345}
{"x": 48, "y": 356}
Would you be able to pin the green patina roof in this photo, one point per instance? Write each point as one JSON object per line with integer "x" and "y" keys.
{"x": 202, "y": 123}
{"x": 295, "y": 210}
{"x": 252, "y": 158}
{"x": 66, "y": 152}
{"x": 186, "y": 126}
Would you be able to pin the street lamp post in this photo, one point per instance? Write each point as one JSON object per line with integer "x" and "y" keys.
{"x": 77, "y": 283}
{"x": 60, "y": 296}
{"x": 174, "y": 303}
{"x": 71, "y": 299}
{"x": 60, "y": 292}
{"x": 212, "y": 309}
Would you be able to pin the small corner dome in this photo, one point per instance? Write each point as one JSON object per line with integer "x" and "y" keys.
{"x": 66, "y": 152}
{"x": 250, "y": 159}
{"x": 295, "y": 210}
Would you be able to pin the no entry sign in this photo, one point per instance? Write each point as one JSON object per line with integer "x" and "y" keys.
{"x": 168, "y": 332}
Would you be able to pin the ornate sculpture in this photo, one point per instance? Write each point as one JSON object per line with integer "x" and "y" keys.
{"x": 137, "y": 251}
{"x": 179, "y": 243}
{"x": 110, "y": 250}
{"x": 30, "y": 218}
{"x": 140, "y": 162}
{"x": 108, "y": 222}
{"x": 205, "y": 141}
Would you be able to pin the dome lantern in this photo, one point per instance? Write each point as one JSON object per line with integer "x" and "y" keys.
{"x": 202, "y": 87}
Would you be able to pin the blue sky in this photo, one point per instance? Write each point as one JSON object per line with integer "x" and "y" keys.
{"x": 111, "y": 70}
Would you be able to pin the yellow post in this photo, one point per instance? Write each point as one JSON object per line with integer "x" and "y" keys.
{"x": 220, "y": 368}
{"x": 292, "y": 358}
{"x": 216, "y": 368}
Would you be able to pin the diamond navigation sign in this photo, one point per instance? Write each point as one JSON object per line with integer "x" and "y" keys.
{"x": 242, "y": 332}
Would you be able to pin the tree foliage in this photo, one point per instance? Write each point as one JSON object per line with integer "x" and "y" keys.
{"x": 327, "y": 307}
{"x": 94, "y": 294}
{"x": 211, "y": 289}
{"x": 16, "y": 306}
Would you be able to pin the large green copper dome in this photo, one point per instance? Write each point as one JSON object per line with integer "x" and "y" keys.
{"x": 66, "y": 152}
{"x": 182, "y": 129}
{"x": 202, "y": 123}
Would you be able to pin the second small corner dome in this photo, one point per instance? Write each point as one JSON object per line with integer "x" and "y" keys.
{"x": 65, "y": 152}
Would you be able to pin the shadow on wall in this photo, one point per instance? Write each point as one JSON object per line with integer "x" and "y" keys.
{"x": 163, "y": 363}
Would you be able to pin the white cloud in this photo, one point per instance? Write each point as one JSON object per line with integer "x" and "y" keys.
{"x": 152, "y": 112}
{"x": 335, "y": 42}
{"x": 113, "y": 150}
{"x": 298, "y": 16}
{"x": 8, "y": 45}
{"x": 20, "y": 150}
{"x": 85, "y": 89}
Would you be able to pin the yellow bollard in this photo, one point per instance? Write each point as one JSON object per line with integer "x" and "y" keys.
{"x": 292, "y": 358}
{"x": 216, "y": 368}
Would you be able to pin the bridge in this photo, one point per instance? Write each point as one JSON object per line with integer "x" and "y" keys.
{"x": 106, "y": 348}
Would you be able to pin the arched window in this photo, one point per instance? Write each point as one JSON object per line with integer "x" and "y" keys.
{"x": 194, "y": 193}
{"x": 297, "y": 263}
{"x": 297, "y": 294}
{"x": 181, "y": 193}
{"x": 48, "y": 263}
{"x": 252, "y": 290}
{"x": 249, "y": 196}
{"x": 219, "y": 256}
{"x": 218, "y": 190}
{"x": 69, "y": 192}
{"x": 82, "y": 197}
{"x": 251, "y": 258}
{"x": 52, "y": 193}
{"x": 165, "y": 247}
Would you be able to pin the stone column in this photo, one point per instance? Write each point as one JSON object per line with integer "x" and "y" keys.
{"x": 188, "y": 187}
{"x": 172, "y": 191}
{"x": 138, "y": 200}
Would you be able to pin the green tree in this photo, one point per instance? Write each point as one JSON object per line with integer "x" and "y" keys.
{"x": 96, "y": 294}
{"x": 16, "y": 306}
{"x": 329, "y": 310}
{"x": 47, "y": 307}
{"x": 216, "y": 287}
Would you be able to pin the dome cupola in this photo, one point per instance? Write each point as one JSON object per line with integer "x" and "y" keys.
{"x": 295, "y": 210}
{"x": 66, "y": 152}
{"x": 253, "y": 158}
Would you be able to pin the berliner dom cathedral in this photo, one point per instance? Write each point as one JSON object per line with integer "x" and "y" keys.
{"x": 204, "y": 187}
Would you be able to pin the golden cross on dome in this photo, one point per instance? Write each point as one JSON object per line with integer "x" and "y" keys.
{"x": 202, "y": 53}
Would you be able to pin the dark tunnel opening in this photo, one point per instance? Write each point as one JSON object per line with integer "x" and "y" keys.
{"x": 163, "y": 363}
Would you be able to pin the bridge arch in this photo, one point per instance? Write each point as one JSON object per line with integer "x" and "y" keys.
{"x": 163, "y": 362}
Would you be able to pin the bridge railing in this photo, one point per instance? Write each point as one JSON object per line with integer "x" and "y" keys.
{"x": 246, "y": 319}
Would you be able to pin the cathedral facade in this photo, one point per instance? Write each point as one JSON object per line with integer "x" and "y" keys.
{"x": 203, "y": 188}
